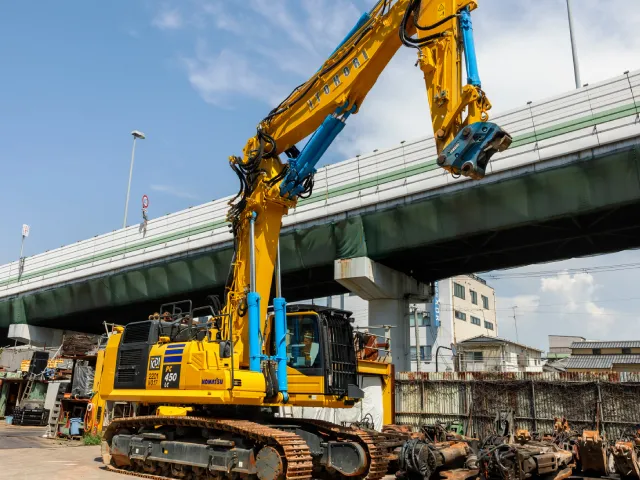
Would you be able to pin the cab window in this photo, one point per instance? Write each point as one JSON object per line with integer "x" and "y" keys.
{"x": 303, "y": 342}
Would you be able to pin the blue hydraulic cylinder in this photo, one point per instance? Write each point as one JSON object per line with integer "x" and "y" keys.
{"x": 364, "y": 18}
{"x": 471, "y": 61}
{"x": 255, "y": 354}
{"x": 312, "y": 152}
{"x": 280, "y": 320}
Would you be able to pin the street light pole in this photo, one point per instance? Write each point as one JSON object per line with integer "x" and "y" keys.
{"x": 136, "y": 135}
{"x": 574, "y": 51}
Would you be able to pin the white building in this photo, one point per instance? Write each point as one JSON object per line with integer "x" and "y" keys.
{"x": 463, "y": 307}
{"x": 493, "y": 354}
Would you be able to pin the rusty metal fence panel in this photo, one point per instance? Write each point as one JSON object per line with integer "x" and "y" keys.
{"x": 609, "y": 402}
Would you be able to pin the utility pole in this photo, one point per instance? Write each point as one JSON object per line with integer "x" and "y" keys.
{"x": 574, "y": 51}
{"x": 417, "y": 335}
{"x": 515, "y": 322}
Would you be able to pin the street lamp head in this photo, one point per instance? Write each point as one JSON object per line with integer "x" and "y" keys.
{"x": 138, "y": 134}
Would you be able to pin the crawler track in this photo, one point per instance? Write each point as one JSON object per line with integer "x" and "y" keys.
{"x": 298, "y": 462}
{"x": 373, "y": 443}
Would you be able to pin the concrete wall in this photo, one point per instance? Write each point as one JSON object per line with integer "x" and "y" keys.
{"x": 562, "y": 343}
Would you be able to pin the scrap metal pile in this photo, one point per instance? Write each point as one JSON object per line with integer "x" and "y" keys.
{"x": 441, "y": 452}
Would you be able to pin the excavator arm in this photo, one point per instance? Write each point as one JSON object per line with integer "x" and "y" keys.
{"x": 441, "y": 32}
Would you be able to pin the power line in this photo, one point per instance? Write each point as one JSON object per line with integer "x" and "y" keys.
{"x": 568, "y": 271}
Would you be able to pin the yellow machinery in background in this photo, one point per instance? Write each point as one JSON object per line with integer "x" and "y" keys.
{"x": 217, "y": 382}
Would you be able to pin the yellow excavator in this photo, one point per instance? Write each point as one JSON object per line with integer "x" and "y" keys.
{"x": 205, "y": 391}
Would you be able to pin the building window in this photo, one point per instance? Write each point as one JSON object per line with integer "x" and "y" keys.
{"x": 425, "y": 353}
{"x": 423, "y": 319}
{"x": 626, "y": 351}
{"x": 475, "y": 320}
{"x": 458, "y": 290}
{"x": 412, "y": 353}
{"x": 474, "y": 297}
{"x": 460, "y": 315}
{"x": 597, "y": 351}
{"x": 488, "y": 325}
{"x": 485, "y": 302}
{"x": 474, "y": 356}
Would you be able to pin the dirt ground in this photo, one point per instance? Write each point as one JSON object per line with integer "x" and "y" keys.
{"x": 25, "y": 454}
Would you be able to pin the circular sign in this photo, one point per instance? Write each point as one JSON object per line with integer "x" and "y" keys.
{"x": 145, "y": 202}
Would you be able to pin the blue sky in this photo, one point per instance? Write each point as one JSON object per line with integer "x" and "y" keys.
{"x": 197, "y": 75}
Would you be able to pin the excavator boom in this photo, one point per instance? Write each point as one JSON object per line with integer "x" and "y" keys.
{"x": 441, "y": 33}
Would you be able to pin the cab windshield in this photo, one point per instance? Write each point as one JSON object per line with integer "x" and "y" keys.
{"x": 303, "y": 342}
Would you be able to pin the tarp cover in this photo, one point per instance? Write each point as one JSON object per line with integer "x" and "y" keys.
{"x": 82, "y": 385}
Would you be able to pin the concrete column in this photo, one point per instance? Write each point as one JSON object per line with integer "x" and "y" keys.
{"x": 37, "y": 336}
{"x": 389, "y": 293}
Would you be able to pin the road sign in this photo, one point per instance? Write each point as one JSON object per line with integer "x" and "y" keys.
{"x": 145, "y": 202}
{"x": 25, "y": 230}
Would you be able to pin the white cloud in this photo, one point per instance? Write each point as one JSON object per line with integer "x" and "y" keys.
{"x": 569, "y": 304}
{"x": 168, "y": 19}
{"x": 222, "y": 19}
{"x": 216, "y": 76}
{"x": 277, "y": 13}
{"x": 173, "y": 191}
{"x": 578, "y": 292}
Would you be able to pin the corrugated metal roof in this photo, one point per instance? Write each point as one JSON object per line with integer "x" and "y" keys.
{"x": 613, "y": 344}
{"x": 487, "y": 339}
{"x": 600, "y": 361}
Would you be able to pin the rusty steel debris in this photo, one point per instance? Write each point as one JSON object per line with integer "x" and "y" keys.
{"x": 591, "y": 453}
{"x": 524, "y": 458}
{"x": 625, "y": 455}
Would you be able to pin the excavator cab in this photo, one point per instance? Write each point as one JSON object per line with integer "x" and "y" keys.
{"x": 320, "y": 346}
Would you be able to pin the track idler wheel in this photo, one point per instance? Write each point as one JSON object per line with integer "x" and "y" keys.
{"x": 269, "y": 464}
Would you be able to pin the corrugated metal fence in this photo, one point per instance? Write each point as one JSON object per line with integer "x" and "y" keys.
{"x": 475, "y": 398}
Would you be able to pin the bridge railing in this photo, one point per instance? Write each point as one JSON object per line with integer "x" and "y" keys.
{"x": 585, "y": 118}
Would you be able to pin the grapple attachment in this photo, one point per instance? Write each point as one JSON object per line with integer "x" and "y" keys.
{"x": 469, "y": 152}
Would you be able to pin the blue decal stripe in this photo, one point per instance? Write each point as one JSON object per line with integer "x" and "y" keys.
{"x": 175, "y": 350}
{"x": 172, "y": 345}
{"x": 172, "y": 358}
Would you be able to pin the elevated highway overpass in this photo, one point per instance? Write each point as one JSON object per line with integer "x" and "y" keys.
{"x": 568, "y": 186}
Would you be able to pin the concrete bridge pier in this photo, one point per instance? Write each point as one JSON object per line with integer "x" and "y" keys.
{"x": 36, "y": 336}
{"x": 389, "y": 293}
